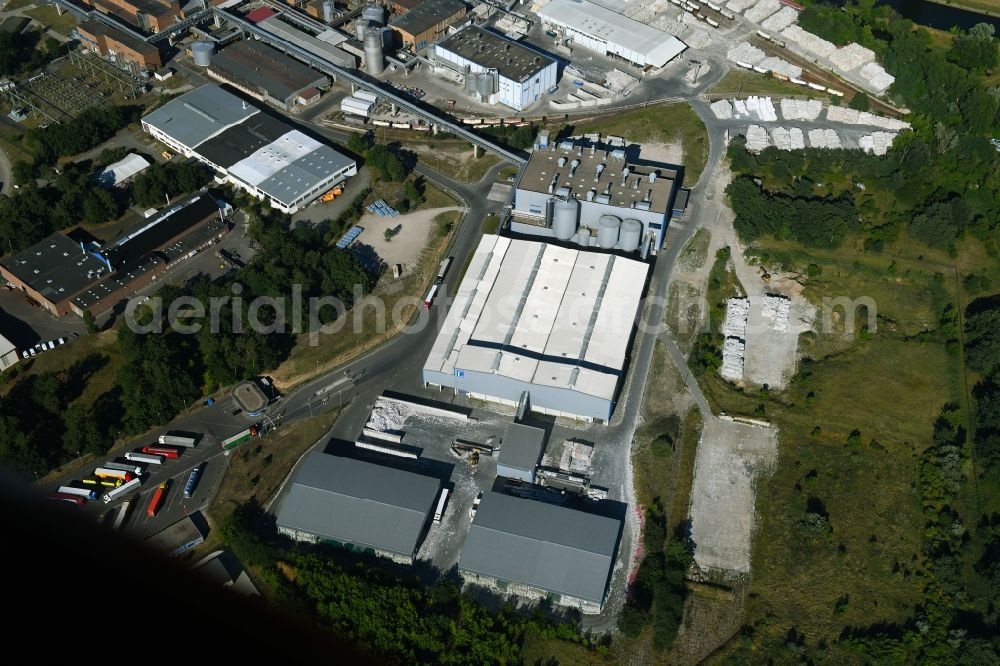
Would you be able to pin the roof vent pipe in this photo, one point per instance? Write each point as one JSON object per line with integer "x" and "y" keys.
{"x": 652, "y": 176}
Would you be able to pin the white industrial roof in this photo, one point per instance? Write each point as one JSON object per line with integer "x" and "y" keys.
{"x": 542, "y": 314}
{"x": 274, "y": 157}
{"x": 597, "y": 21}
{"x": 124, "y": 169}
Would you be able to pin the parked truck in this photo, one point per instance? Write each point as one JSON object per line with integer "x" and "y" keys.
{"x": 239, "y": 438}
{"x": 86, "y": 493}
{"x": 66, "y": 497}
{"x": 122, "y": 514}
{"x": 156, "y": 501}
{"x": 136, "y": 470}
{"x": 192, "y": 481}
{"x": 144, "y": 458}
{"x": 165, "y": 451}
{"x": 178, "y": 440}
{"x": 121, "y": 491}
{"x": 108, "y": 473}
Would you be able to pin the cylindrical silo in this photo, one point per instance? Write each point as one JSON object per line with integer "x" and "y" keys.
{"x": 485, "y": 84}
{"x": 564, "y": 216}
{"x": 202, "y": 53}
{"x": 607, "y": 231}
{"x": 374, "y": 62}
{"x": 471, "y": 83}
{"x": 389, "y": 40}
{"x": 329, "y": 11}
{"x": 359, "y": 29}
{"x": 373, "y": 14}
{"x": 583, "y": 237}
{"x": 631, "y": 235}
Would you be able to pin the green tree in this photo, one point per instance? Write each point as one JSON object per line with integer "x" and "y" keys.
{"x": 860, "y": 102}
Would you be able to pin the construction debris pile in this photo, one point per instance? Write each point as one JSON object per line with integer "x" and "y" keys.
{"x": 840, "y": 114}
{"x": 824, "y": 138}
{"x": 756, "y": 138}
{"x": 617, "y": 80}
{"x": 733, "y": 350}
{"x": 775, "y": 310}
{"x": 735, "y": 323}
{"x": 797, "y": 109}
{"x": 735, "y": 329}
{"x": 788, "y": 139}
{"x": 877, "y": 142}
{"x": 576, "y": 456}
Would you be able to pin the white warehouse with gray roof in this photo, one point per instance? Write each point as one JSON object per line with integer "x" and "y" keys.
{"x": 536, "y": 550}
{"x": 534, "y": 317}
{"x": 358, "y": 505}
{"x": 250, "y": 149}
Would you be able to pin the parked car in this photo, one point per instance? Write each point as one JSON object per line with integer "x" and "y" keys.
{"x": 61, "y": 341}
{"x": 51, "y": 344}
{"x": 25, "y": 354}
{"x": 32, "y": 351}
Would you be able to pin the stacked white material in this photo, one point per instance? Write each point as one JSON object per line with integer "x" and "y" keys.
{"x": 740, "y": 109}
{"x": 840, "y": 114}
{"x": 779, "y": 135}
{"x": 618, "y": 80}
{"x": 732, "y": 359}
{"x": 796, "y": 138}
{"x": 695, "y": 38}
{"x": 796, "y": 109}
{"x": 877, "y": 142}
{"x": 745, "y": 52}
{"x": 739, "y": 6}
{"x": 773, "y": 64}
{"x": 761, "y": 108}
{"x": 756, "y": 138}
{"x": 735, "y": 323}
{"x": 781, "y": 20}
{"x": 852, "y": 56}
{"x": 876, "y": 76}
{"x": 808, "y": 41}
{"x": 722, "y": 109}
{"x": 775, "y": 309}
{"x": 762, "y": 10}
{"x": 824, "y": 138}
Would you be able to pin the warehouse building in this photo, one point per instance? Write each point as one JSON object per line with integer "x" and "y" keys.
{"x": 496, "y": 69}
{"x": 123, "y": 170}
{"x": 118, "y": 45}
{"x": 252, "y": 150}
{"x": 521, "y": 450}
{"x": 265, "y": 73}
{"x": 597, "y": 28}
{"x": 148, "y": 15}
{"x": 358, "y": 505}
{"x": 8, "y": 353}
{"x": 427, "y": 22}
{"x": 325, "y": 45}
{"x": 538, "y": 550}
{"x": 593, "y": 194}
{"x": 542, "y": 322}
{"x": 64, "y": 275}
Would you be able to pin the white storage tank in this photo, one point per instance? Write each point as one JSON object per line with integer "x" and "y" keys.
{"x": 471, "y": 83}
{"x": 583, "y": 237}
{"x": 631, "y": 235}
{"x": 607, "y": 231}
{"x": 202, "y": 53}
{"x": 373, "y": 14}
{"x": 374, "y": 62}
{"x": 564, "y": 217}
{"x": 486, "y": 87}
{"x": 360, "y": 26}
{"x": 329, "y": 11}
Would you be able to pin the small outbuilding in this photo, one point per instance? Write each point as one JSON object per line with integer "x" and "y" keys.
{"x": 520, "y": 452}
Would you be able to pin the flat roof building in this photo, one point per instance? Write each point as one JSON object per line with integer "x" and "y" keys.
{"x": 264, "y": 73}
{"x": 427, "y": 22}
{"x": 498, "y": 70}
{"x": 313, "y": 44}
{"x": 600, "y": 29}
{"x": 255, "y": 152}
{"x": 116, "y": 44}
{"x": 595, "y": 195}
{"x": 537, "y": 550}
{"x": 123, "y": 170}
{"x": 63, "y": 275}
{"x": 150, "y": 15}
{"x": 359, "y": 505}
{"x": 520, "y": 452}
{"x": 250, "y": 398}
{"x": 8, "y": 353}
{"x": 539, "y": 318}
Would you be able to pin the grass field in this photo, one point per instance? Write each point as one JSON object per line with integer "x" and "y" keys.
{"x": 454, "y": 159}
{"x": 103, "y": 344}
{"x": 740, "y": 82}
{"x": 889, "y": 388}
{"x": 991, "y": 7}
{"x": 48, "y": 15}
{"x": 659, "y": 124}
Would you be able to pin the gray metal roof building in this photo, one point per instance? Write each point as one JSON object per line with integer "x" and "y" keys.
{"x": 254, "y": 151}
{"x": 358, "y": 503}
{"x": 487, "y": 49}
{"x": 265, "y": 72}
{"x": 554, "y": 549}
{"x": 520, "y": 452}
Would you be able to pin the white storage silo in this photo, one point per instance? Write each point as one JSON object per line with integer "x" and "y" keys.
{"x": 329, "y": 11}
{"x": 374, "y": 61}
{"x": 564, "y": 217}
{"x": 202, "y": 53}
{"x": 631, "y": 235}
{"x": 373, "y": 14}
{"x": 607, "y": 231}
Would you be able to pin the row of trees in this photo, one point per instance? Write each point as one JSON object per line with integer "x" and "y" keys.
{"x": 19, "y": 53}
{"x": 397, "y": 618}
{"x": 165, "y": 372}
{"x": 91, "y": 128}
{"x": 71, "y": 196}
{"x": 170, "y": 179}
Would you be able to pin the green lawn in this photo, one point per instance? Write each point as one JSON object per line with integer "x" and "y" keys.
{"x": 47, "y": 15}
{"x": 741, "y": 82}
{"x": 662, "y": 123}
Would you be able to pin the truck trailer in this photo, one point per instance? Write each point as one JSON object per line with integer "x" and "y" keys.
{"x": 239, "y": 438}
{"x": 108, "y": 473}
{"x": 134, "y": 469}
{"x": 144, "y": 458}
{"x": 66, "y": 497}
{"x": 192, "y": 481}
{"x": 165, "y": 451}
{"x": 178, "y": 440}
{"x": 86, "y": 493}
{"x": 121, "y": 491}
{"x": 156, "y": 501}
